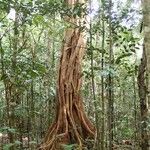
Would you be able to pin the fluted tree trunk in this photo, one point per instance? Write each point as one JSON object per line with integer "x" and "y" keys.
{"x": 71, "y": 125}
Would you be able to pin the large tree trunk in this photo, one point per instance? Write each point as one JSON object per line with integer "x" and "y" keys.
{"x": 146, "y": 23}
{"x": 71, "y": 125}
{"x": 144, "y": 77}
{"x": 143, "y": 102}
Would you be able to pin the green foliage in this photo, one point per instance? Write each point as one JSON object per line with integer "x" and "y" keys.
{"x": 118, "y": 60}
{"x": 7, "y": 146}
{"x": 70, "y": 146}
{"x": 5, "y": 129}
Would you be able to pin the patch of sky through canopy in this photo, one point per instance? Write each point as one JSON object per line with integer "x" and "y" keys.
{"x": 128, "y": 12}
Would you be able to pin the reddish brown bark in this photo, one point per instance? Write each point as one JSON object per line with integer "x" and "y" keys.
{"x": 71, "y": 124}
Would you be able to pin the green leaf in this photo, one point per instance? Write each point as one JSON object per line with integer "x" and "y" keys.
{"x": 118, "y": 60}
{"x": 132, "y": 45}
{"x": 38, "y": 19}
{"x": 40, "y": 68}
{"x": 125, "y": 47}
{"x": 132, "y": 50}
{"x": 33, "y": 73}
{"x": 96, "y": 68}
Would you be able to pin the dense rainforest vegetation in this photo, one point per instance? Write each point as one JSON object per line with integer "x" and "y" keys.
{"x": 74, "y": 74}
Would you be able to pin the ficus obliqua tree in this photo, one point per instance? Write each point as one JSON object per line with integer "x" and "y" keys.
{"x": 71, "y": 125}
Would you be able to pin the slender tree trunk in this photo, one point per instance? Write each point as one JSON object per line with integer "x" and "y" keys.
{"x": 29, "y": 118}
{"x": 51, "y": 74}
{"x": 110, "y": 84}
{"x": 71, "y": 125}
{"x": 96, "y": 104}
{"x": 135, "y": 110}
{"x": 13, "y": 97}
{"x": 32, "y": 97}
{"x": 102, "y": 80}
